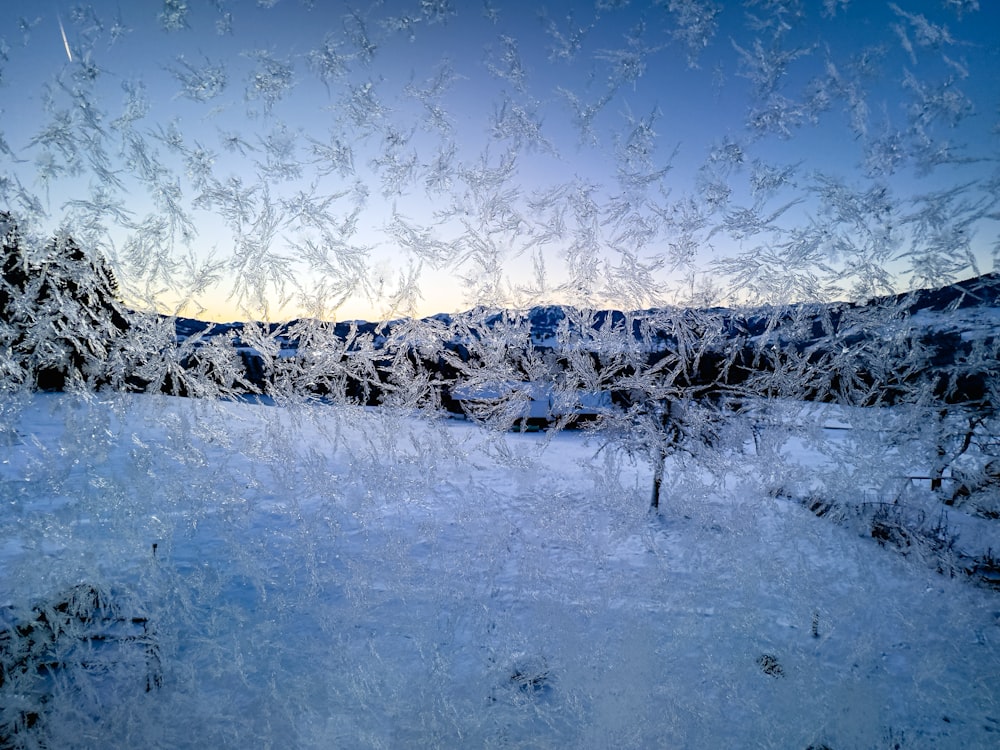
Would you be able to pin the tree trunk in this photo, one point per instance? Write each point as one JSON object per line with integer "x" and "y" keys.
{"x": 659, "y": 460}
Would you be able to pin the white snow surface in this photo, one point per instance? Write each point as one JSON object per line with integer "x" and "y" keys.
{"x": 339, "y": 577}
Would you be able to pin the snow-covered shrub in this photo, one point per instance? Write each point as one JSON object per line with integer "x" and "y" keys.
{"x": 87, "y": 638}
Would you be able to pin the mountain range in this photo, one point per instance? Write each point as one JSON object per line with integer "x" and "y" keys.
{"x": 938, "y": 343}
{"x": 544, "y": 323}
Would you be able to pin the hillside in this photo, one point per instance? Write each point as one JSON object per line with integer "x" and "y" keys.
{"x": 187, "y": 573}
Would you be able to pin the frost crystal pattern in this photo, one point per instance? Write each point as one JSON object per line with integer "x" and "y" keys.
{"x": 426, "y": 373}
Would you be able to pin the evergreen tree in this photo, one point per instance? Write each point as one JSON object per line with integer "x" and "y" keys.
{"x": 61, "y": 319}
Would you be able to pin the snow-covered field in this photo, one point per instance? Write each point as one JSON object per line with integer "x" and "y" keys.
{"x": 258, "y": 576}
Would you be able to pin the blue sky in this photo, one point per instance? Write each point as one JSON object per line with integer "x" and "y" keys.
{"x": 272, "y": 159}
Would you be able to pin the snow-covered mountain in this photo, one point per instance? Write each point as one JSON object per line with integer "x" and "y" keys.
{"x": 955, "y": 327}
{"x": 976, "y": 299}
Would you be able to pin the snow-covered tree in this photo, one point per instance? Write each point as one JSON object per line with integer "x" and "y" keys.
{"x": 62, "y": 322}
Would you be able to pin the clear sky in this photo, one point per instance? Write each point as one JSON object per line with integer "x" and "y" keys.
{"x": 287, "y": 157}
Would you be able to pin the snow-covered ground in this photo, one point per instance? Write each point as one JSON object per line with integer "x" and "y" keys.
{"x": 340, "y": 577}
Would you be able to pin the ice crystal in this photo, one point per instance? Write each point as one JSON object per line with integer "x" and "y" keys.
{"x": 270, "y": 80}
{"x": 565, "y": 45}
{"x": 521, "y": 125}
{"x": 364, "y": 108}
{"x": 280, "y": 146}
{"x": 200, "y": 83}
{"x": 696, "y": 24}
{"x": 174, "y": 15}
{"x": 357, "y": 31}
{"x": 327, "y": 61}
{"x": 437, "y": 11}
{"x": 629, "y": 63}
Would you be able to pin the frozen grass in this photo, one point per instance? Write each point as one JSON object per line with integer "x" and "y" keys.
{"x": 351, "y": 578}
